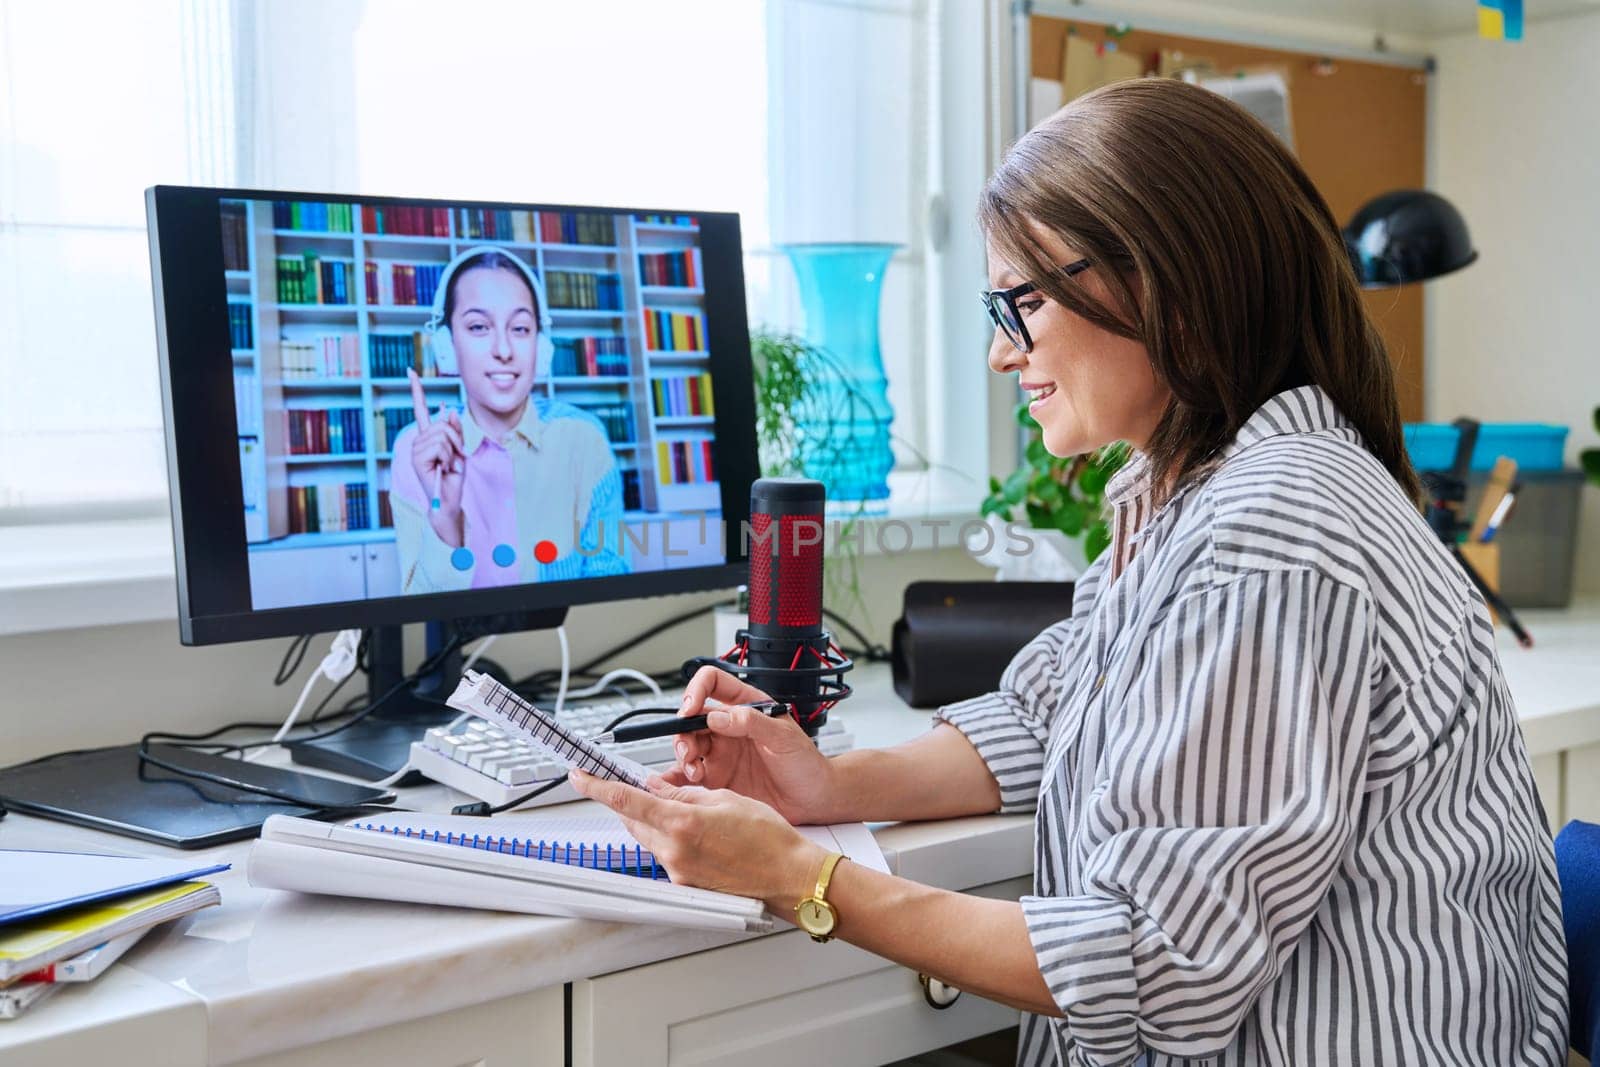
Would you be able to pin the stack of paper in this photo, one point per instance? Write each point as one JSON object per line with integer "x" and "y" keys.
{"x": 65, "y": 917}
{"x": 493, "y": 863}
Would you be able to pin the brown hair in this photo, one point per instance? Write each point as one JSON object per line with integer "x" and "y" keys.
{"x": 1222, "y": 259}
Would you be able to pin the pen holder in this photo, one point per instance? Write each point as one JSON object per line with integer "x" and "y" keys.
{"x": 1485, "y": 559}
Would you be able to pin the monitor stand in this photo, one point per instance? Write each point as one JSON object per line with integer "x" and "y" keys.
{"x": 380, "y": 744}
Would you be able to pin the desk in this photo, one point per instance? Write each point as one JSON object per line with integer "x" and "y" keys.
{"x": 271, "y": 979}
{"x": 1556, "y": 686}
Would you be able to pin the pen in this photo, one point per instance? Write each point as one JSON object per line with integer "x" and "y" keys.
{"x": 1500, "y": 511}
{"x": 678, "y": 724}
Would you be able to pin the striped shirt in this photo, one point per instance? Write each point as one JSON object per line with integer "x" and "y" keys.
{"x": 1284, "y": 811}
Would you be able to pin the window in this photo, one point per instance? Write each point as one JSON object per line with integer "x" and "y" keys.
{"x": 83, "y": 129}
{"x": 809, "y": 117}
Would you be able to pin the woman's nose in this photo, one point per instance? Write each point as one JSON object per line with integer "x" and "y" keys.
{"x": 501, "y": 347}
{"x": 1004, "y": 357}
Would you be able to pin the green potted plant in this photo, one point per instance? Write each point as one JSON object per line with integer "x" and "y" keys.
{"x": 792, "y": 376}
{"x": 1061, "y": 499}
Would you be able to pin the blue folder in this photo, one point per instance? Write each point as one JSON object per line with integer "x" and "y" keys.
{"x": 37, "y": 883}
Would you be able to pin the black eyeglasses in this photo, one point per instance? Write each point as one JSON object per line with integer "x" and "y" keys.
{"x": 1002, "y": 306}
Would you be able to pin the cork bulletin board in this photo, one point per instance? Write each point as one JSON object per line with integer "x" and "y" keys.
{"x": 1359, "y": 130}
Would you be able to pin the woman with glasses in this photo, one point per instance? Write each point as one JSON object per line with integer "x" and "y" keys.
{"x": 1283, "y": 810}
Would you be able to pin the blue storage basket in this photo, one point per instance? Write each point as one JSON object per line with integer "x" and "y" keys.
{"x": 1535, "y": 446}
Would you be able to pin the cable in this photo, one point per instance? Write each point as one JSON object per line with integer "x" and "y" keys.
{"x": 350, "y": 705}
{"x": 477, "y": 652}
{"x": 621, "y": 672}
{"x": 869, "y": 651}
{"x": 336, "y": 666}
{"x": 423, "y": 668}
{"x": 617, "y": 650}
{"x": 566, "y": 668}
{"x": 297, "y": 650}
{"x": 192, "y": 740}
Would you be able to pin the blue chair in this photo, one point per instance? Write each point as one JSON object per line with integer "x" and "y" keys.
{"x": 1578, "y": 865}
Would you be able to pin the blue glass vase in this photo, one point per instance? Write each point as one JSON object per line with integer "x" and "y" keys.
{"x": 843, "y": 433}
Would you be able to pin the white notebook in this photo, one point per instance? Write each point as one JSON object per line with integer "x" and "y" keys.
{"x": 583, "y": 866}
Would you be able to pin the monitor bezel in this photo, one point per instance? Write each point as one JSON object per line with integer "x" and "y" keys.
{"x": 190, "y": 296}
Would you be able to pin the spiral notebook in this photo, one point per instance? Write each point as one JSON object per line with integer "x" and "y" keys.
{"x": 478, "y": 694}
{"x": 583, "y": 866}
{"x": 598, "y": 843}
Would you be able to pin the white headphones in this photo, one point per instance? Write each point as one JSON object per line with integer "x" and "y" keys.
{"x": 438, "y": 330}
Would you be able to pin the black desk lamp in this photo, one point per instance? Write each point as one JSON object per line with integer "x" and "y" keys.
{"x": 1412, "y": 235}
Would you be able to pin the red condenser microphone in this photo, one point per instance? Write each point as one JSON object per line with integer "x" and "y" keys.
{"x": 785, "y": 651}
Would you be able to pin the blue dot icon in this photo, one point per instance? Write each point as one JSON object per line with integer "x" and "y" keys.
{"x": 461, "y": 559}
{"x": 504, "y": 555}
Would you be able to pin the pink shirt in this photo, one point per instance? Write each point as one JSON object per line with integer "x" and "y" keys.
{"x": 551, "y": 479}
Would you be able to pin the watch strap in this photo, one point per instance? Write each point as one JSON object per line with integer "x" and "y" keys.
{"x": 826, "y": 875}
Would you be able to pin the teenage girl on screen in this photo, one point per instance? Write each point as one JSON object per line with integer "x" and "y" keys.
{"x": 516, "y": 488}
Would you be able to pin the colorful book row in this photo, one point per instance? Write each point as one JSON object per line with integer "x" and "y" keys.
{"x": 312, "y": 215}
{"x": 241, "y": 326}
{"x": 667, "y": 220}
{"x": 323, "y": 431}
{"x": 387, "y": 424}
{"x": 402, "y": 284}
{"x": 573, "y": 228}
{"x": 673, "y": 331}
{"x": 311, "y": 279}
{"x": 329, "y": 355}
{"x": 235, "y": 237}
{"x": 682, "y": 395}
{"x": 480, "y": 224}
{"x": 390, "y": 355}
{"x": 402, "y": 221}
{"x": 685, "y": 462}
{"x": 617, "y": 420}
{"x": 590, "y": 357}
{"x": 669, "y": 268}
{"x": 583, "y": 290}
{"x": 328, "y": 507}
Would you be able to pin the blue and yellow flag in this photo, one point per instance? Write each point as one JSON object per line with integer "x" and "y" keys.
{"x": 1500, "y": 20}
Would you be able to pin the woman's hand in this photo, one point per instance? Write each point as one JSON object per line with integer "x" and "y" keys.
{"x": 714, "y": 839}
{"x": 440, "y": 459}
{"x": 742, "y": 749}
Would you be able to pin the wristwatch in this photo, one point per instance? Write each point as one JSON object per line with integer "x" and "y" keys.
{"x": 814, "y": 914}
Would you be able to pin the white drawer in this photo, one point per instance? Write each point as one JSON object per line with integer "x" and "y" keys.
{"x": 773, "y": 1001}
{"x": 517, "y": 1031}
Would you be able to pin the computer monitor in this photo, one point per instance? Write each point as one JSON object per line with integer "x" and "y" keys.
{"x": 584, "y": 373}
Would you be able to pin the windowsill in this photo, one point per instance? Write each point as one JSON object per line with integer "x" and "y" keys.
{"x": 64, "y": 575}
{"x": 59, "y": 575}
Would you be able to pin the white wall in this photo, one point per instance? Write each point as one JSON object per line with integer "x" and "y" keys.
{"x": 98, "y": 686}
{"x": 1516, "y": 147}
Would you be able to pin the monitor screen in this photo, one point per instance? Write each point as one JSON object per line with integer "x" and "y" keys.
{"x": 463, "y": 405}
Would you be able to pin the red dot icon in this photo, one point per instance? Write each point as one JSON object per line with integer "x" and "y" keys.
{"x": 545, "y": 552}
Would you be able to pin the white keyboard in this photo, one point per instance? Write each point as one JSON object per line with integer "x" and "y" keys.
{"x": 496, "y": 766}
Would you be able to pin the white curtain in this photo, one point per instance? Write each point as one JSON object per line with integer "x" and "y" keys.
{"x": 98, "y": 99}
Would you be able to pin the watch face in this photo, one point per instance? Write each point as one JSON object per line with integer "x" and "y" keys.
{"x": 815, "y": 916}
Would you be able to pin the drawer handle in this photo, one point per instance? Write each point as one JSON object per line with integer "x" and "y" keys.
{"x": 938, "y": 995}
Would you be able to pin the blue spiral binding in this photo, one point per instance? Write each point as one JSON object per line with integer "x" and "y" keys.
{"x": 643, "y": 863}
